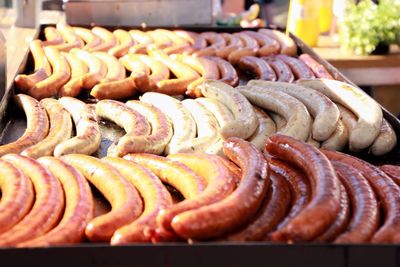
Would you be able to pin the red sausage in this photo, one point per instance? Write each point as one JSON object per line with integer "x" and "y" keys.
{"x": 260, "y": 68}
{"x": 317, "y": 69}
{"x": 393, "y": 172}
{"x": 387, "y": 191}
{"x": 282, "y": 70}
{"x": 299, "y": 69}
{"x": 365, "y": 212}
{"x": 324, "y": 206}
{"x": 272, "y": 211}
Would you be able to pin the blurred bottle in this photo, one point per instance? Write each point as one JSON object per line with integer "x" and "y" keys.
{"x": 325, "y": 15}
{"x": 303, "y": 20}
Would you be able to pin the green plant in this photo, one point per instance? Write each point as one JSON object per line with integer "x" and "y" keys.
{"x": 367, "y": 24}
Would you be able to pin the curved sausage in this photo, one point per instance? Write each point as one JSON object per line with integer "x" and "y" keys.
{"x": 317, "y": 68}
{"x": 365, "y": 210}
{"x": 155, "y": 198}
{"x": 53, "y": 37}
{"x": 227, "y": 71}
{"x": 125, "y": 201}
{"x": 47, "y": 208}
{"x": 78, "y": 206}
{"x": 288, "y": 46}
{"x": 325, "y": 201}
{"x": 393, "y": 172}
{"x": 36, "y": 129}
{"x": 299, "y": 69}
{"x": 386, "y": 190}
{"x": 268, "y": 45}
{"x": 258, "y": 67}
{"x": 283, "y": 72}
{"x": 108, "y": 39}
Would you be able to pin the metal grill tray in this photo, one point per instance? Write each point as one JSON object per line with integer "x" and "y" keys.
{"x": 12, "y": 125}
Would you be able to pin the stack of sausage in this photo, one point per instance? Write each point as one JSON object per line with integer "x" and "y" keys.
{"x": 293, "y": 193}
{"x": 73, "y": 59}
{"x": 160, "y": 124}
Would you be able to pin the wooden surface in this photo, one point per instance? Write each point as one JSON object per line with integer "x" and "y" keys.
{"x": 369, "y": 70}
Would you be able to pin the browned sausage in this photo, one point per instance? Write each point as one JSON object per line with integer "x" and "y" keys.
{"x": 299, "y": 187}
{"x": 219, "y": 179}
{"x": 268, "y": 45}
{"x": 282, "y": 70}
{"x": 342, "y": 218}
{"x": 365, "y": 212}
{"x": 386, "y": 190}
{"x": 299, "y": 69}
{"x": 325, "y": 201}
{"x": 227, "y": 71}
{"x": 232, "y": 43}
{"x": 317, "y": 69}
{"x": 272, "y": 211}
{"x": 393, "y": 172}
{"x": 258, "y": 67}
{"x": 226, "y": 215}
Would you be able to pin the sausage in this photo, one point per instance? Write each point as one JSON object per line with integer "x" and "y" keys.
{"x": 318, "y": 69}
{"x": 60, "y": 76}
{"x": 108, "y": 39}
{"x": 339, "y": 139}
{"x": 227, "y": 72}
{"x": 133, "y": 122}
{"x": 142, "y": 40}
{"x": 159, "y": 72}
{"x": 367, "y": 110}
{"x": 91, "y": 40}
{"x": 185, "y": 75}
{"x": 310, "y": 140}
{"x": 365, "y": 211}
{"x": 97, "y": 69}
{"x": 325, "y": 201}
{"x": 215, "y": 42}
{"x": 280, "y": 121}
{"x": 36, "y": 129}
{"x": 208, "y": 69}
{"x": 160, "y": 40}
{"x": 115, "y": 70}
{"x": 233, "y": 43}
{"x": 341, "y": 221}
{"x": 266, "y": 128}
{"x": 181, "y": 177}
{"x": 60, "y": 130}
{"x": 125, "y": 201}
{"x": 271, "y": 212}
{"x": 299, "y": 188}
{"x": 16, "y": 195}
{"x": 258, "y": 67}
{"x": 125, "y": 42}
{"x": 385, "y": 141}
{"x": 268, "y": 45}
{"x": 155, "y": 198}
{"x": 221, "y": 112}
{"x": 326, "y": 114}
{"x": 299, "y": 69}
{"x": 295, "y": 112}
{"x": 220, "y": 183}
{"x": 250, "y": 48}
{"x": 42, "y": 69}
{"x": 246, "y": 122}
{"x": 154, "y": 142}
{"x": 179, "y": 44}
{"x": 53, "y": 37}
{"x": 78, "y": 206}
{"x": 393, "y": 172}
{"x": 47, "y": 208}
{"x": 68, "y": 35}
{"x": 386, "y": 190}
{"x": 287, "y": 44}
{"x": 87, "y": 139}
{"x": 283, "y": 72}
{"x": 134, "y": 64}
{"x": 229, "y": 213}
{"x": 207, "y": 129}
{"x": 120, "y": 89}
{"x": 197, "y": 41}
{"x": 74, "y": 86}
{"x": 183, "y": 124}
